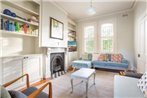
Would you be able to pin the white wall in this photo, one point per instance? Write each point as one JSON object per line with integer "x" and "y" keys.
{"x": 124, "y": 34}
{"x": 50, "y": 10}
{"x": 139, "y": 12}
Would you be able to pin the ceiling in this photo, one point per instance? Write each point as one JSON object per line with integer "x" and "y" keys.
{"x": 78, "y": 8}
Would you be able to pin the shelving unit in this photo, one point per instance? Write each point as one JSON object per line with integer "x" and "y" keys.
{"x": 72, "y": 42}
{"x": 72, "y": 46}
{"x": 19, "y": 39}
{"x": 18, "y": 42}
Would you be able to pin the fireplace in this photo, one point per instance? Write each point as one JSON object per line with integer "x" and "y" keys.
{"x": 57, "y": 64}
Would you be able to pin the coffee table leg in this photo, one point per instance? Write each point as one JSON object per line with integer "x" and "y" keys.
{"x": 87, "y": 89}
{"x": 72, "y": 85}
{"x": 94, "y": 78}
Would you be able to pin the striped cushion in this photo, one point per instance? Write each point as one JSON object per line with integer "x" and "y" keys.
{"x": 116, "y": 57}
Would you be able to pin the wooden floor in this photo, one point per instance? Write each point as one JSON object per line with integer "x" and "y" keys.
{"x": 102, "y": 89}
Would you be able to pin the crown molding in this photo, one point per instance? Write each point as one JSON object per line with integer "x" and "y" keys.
{"x": 104, "y": 15}
{"x": 109, "y": 14}
{"x": 60, "y": 8}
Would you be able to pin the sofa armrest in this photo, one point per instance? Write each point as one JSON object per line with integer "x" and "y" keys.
{"x": 126, "y": 87}
{"x": 132, "y": 74}
{"x": 125, "y": 61}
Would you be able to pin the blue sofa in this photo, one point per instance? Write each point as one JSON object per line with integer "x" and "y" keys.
{"x": 123, "y": 65}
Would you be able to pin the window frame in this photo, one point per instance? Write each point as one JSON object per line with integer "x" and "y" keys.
{"x": 84, "y": 39}
{"x": 114, "y": 43}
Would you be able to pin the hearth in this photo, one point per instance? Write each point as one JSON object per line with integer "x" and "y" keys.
{"x": 57, "y": 64}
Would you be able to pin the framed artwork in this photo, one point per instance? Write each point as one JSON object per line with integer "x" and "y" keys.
{"x": 56, "y": 29}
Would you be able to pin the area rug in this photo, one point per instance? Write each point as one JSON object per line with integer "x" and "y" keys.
{"x": 102, "y": 89}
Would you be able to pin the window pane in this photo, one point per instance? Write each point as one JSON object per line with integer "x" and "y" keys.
{"x": 106, "y": 30}
{"x": 88, "y": 32}
{"x": 89, "y": 45}
{"x": 107, "y": 37}
{"x": 89, "y": 38}
{"x": 107, "y": 44}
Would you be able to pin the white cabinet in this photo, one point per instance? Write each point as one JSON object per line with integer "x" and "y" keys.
{"x": 32, "y": 66}
{"x": 71, "y": 57}
{"x": 13, "y": 67}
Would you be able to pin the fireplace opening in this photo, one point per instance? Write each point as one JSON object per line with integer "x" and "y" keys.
{"x": 57, "y": 64}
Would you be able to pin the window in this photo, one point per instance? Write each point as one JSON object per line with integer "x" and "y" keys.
{"x": 106, "y": 37}
{"x": 89, "y": 39}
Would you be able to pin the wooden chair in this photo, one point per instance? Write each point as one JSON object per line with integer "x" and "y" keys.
{"x": 35, "y": 93}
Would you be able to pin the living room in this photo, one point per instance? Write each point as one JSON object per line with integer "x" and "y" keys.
{"x": 73, "y": 49}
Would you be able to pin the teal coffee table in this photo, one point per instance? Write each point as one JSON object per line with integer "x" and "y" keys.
{"x": 84, "y": 74}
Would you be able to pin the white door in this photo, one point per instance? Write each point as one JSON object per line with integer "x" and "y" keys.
{"x": 146, "y": 40}
{"x": 141, "y": 59}
{"x": 32, "y": 66}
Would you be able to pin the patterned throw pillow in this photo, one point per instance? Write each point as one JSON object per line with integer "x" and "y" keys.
{"x": 116, "y": 57}
{"x": 95, "y": 56}
{"x": 102, "y": 57}
{"x": 85, "y": 56}
{"x": 142, "y": 84}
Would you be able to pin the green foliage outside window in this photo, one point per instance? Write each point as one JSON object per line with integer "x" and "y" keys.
{"x": 107, "y": 45}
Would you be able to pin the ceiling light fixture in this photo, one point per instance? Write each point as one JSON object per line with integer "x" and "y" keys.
{"x": 91, "y": 10}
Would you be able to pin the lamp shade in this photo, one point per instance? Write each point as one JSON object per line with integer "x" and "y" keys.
{"x": 91, "y": 11}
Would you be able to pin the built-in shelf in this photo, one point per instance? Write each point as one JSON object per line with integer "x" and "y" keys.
{"x": 35, "y": 1}
{"x": 18, "y": 19}
{"x": 22, "y": 8}
{"x": 17, "y": 33}
{"x": 71, "y": 29}
{"x": 73, "y": 36}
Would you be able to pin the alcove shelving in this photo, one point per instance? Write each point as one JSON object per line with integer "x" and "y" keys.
{"x": 20, "y": 32}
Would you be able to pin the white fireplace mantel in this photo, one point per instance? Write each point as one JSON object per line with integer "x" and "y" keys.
{"x": 47, "y": 73}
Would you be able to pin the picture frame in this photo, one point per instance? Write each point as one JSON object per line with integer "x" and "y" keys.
{"x": 56, "y": 29}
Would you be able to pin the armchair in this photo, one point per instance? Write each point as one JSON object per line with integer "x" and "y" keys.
{"x": 33, "y": 92}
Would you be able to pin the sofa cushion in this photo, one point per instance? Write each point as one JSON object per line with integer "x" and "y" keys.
{"x": 102, "y": 57}
{"x": 126, "y": 87}
{"x": 116, "y": 57}
{"x": 115, "y": 64}
{"x": 109, "y": 64}
{"x": 95, "y": 56}
{"x": 4, "y": 93}
{"x": 86, "y": 56}
{"x": 81, "y": 64}
{"x": 142, "y": 84}
{"x": 17, "y": 94}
